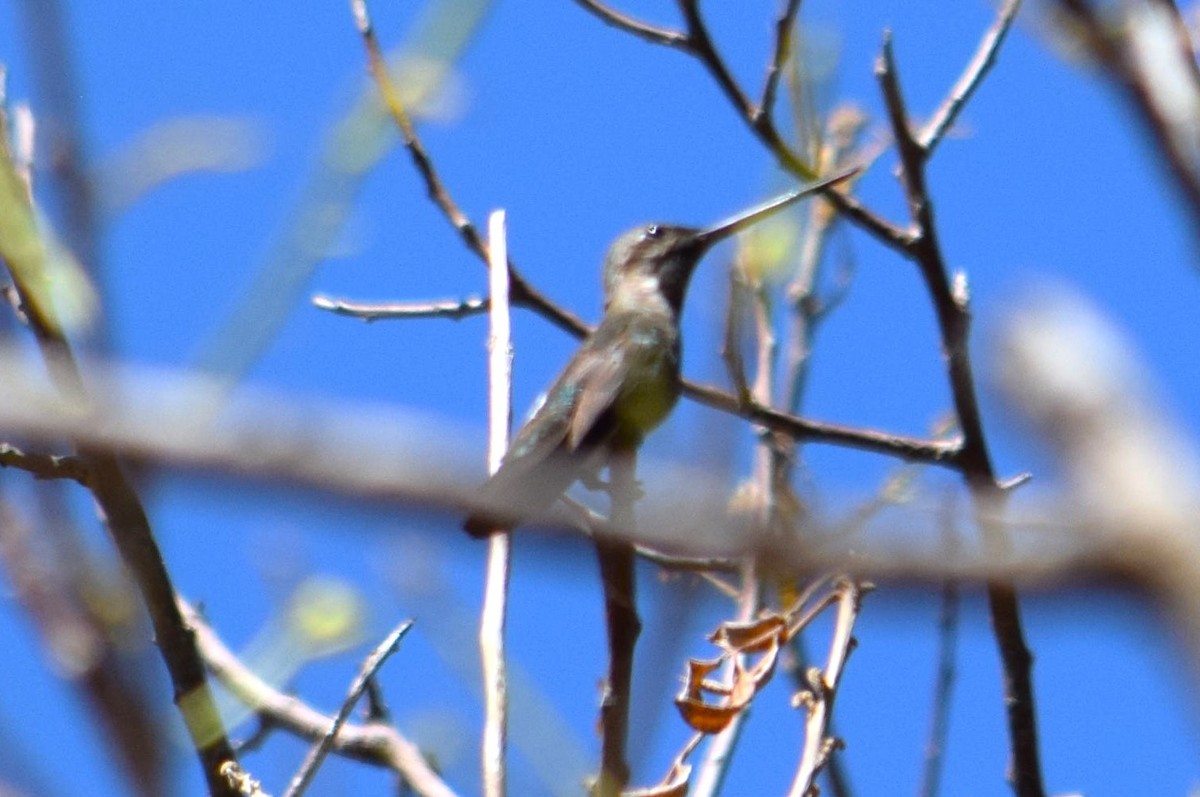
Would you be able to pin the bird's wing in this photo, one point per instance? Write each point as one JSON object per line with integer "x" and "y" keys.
{"x": 599, "y": 374}
{"x": 548, "y": 453}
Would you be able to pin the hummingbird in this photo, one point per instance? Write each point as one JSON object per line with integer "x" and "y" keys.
{"x": 624, "y": 378}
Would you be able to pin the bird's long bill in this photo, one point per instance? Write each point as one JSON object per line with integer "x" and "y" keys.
{"x": 723, "y": 229}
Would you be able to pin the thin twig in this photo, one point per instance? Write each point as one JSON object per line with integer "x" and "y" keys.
{"x": 454, "y": 309}
{"x": 370, "y": 666}
{"x": 978, "y": 67}
{"x": 494, "y": 614}
{"x": 595, "y": 525}
{"x": 939, "y": 725}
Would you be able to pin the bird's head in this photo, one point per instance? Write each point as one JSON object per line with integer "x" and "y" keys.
{"x": 649, "y": 267}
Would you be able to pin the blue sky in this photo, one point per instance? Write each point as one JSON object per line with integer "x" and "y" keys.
{"x": 579, "y": 132}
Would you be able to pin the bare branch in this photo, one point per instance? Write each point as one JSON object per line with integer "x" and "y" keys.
{"x": 494, "y": 614}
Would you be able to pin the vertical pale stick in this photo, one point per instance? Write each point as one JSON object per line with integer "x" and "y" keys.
{"x": 495, "y": 597}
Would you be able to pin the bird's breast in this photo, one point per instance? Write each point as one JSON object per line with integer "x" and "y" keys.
{"x": 651, "y": 386}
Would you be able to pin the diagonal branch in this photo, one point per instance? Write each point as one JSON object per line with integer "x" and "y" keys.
{"x": 1146, "y": 52}
{"x": 125, "y": 517}
{"x": 983, "y": 60}
{"x": 930, "y": 452}
{"x": 522, "y": 292}
{"x": 643, "y": 30}
{"x": 702, "y": 47}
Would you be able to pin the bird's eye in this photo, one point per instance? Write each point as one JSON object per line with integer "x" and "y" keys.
{"x": 652, "y": 230}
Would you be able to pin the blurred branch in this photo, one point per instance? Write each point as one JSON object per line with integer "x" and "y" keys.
{"x": 1146, "y": 52}
{"x": 48, "y": 34}
{"x": 808, "y": 308}
{"x": 172, "y": 149}
{"x": 183, "y": 420}
{"x": 77, "y": 611}
{"x": 1132, "y": 475}
{"x": 352, "y": 451}
{"x": 358, "y": 141}
{"x": 120, "y": 506}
